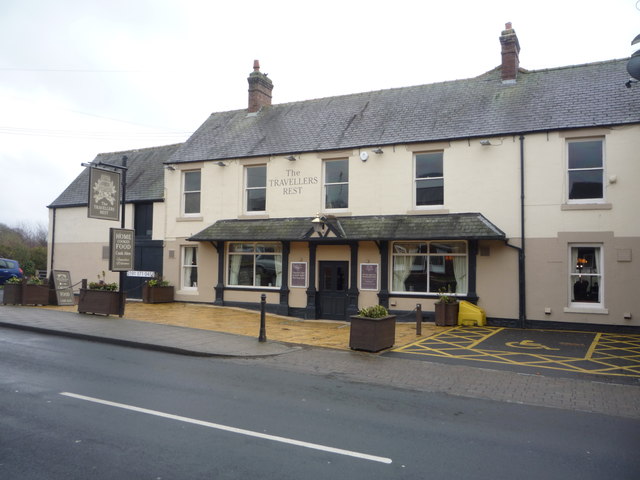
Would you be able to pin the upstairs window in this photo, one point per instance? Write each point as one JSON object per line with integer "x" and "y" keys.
{"x": 429, "y": 179}
{"x": 256, "y": 188}
{"x": 336, "y": 184}
{"x": 191, "y": 192}
{"x": 586, "y": 171}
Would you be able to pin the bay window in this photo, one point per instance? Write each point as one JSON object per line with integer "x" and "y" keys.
{"x": 430, "y": 267}
{"x": 254, "y": 264}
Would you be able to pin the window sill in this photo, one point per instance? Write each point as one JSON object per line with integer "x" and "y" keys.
{"x": 189, "y": 219}
{"x": 423, "y": 210}
{"x": 586, "y": 206}
{"x": 253, "y": 216}
{"x": 589, "y": 310}
{"x": 191, "y": 291}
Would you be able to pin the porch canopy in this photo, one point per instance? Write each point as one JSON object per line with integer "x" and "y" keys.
{"x": 456, "y": 226}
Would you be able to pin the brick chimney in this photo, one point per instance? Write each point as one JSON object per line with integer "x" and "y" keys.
{"x": 260, "y": 88}
{"x": 510, "y": 51}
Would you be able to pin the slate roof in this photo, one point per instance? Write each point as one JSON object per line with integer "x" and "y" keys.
{"x": 462, "y": 226}
{"x": 561, "y": 98}
{"x": 145, "y": 176}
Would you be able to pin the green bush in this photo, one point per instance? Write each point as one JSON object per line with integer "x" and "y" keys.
{"x": 376, "y": 311}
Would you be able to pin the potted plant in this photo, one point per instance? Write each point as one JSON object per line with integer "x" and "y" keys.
{"x": 100, "y": 297}
{"x": 157, "y": 290}
{"x": 372, "y": 330}
{"x": 13, "y": 291}
{"x": 446, "y": 309}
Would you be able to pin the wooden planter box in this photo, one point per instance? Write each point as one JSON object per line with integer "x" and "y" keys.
{"x": 157, "y": 294}
{"x": 12, "y": 294}
{"x": 104, "y": 302}
{"x": 24, "y": 294}
{"x": 372, "y": 334}
{"x": 447, "y": 314}
{"x": 35, "y": 295}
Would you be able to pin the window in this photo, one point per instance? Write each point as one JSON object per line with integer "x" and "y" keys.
{"x": 429, "y": 179}
{"x": 256, "y": 188}
{"x": 336, "y": 184}
{"x": 586, "y": 170}
{"x": 191, "y": 192}
{"x": 430, "y": 267}
{"x": 585, "y": 276}
{"x": 189, "y": 267}
{"x": 255, "y": 264}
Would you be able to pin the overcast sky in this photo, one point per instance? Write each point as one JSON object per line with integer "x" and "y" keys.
{"x": 81, "y": 77}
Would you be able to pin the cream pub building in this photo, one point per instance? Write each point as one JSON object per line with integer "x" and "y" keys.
{"x": 516, "y": 190}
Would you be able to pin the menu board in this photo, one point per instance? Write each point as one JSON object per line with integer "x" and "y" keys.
{"x": 298, "y": 275}
{"x": 368, "y": 276}
{"x": 62, "y": 284}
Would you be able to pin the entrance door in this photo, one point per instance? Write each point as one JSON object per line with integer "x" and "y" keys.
{"x": 332, "y": 294}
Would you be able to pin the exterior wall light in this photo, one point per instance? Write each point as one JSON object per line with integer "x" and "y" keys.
{"x": 222, "y": 164}
{"x": 291, "y": 158}
{"x": 378, "y": 150}
{"x": 318, "y": 223}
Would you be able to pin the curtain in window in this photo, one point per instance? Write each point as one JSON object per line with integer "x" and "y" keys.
{"x": 278, "y": 265}
{"x": 460, "y": 272}
{"x": 401, "y": 271}
{"x": 234, "y": 268}
{"x": 190, "y": 271}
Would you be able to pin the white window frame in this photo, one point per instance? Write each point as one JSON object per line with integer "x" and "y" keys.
{"x": 426, "y": 259}
{"x": 569, "y": 170}
{"x": 254, "y": 254}
{"x": 185, "y": 192}
{"x": 416, "y": 180}
{"x": 586, "y": 306}
{"x": 329, "y": 184}
{"x": 184, "y": 267}
{"x": 247, "y": 189}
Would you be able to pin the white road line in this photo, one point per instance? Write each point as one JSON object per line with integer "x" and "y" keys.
{"x": 226, "y": 428}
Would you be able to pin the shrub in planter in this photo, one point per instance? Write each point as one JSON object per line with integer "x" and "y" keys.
{"x": 157, "y": 291}
{"x": 446, "y": 309}
{"x": 372, "y": 330}
{"x": 26, "y": 291}
{"x": 101, "y": 297}
{"x": 13, "y": 291}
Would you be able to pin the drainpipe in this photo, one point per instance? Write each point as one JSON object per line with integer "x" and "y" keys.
{"x": 522, "y": 303}
{"x": 53, "y": 238}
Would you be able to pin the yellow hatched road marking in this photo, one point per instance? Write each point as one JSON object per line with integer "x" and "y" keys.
{"x": 600, "y": 358}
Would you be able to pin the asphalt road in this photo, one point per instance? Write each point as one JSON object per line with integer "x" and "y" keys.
{"x": 72, "y": 409}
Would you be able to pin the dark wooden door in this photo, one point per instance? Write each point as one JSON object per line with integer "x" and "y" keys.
{"x": 332, "y": 294}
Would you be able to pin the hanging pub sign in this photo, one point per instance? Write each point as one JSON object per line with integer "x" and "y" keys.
{"x": 104, "y": 194}
{"x": 121, "y": 249}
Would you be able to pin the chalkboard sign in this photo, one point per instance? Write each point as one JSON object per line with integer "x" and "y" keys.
{"x": 62, "y": 284}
